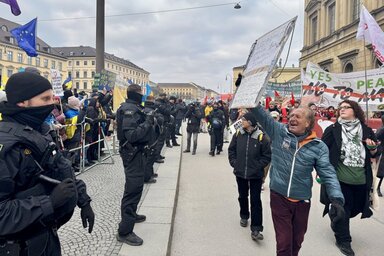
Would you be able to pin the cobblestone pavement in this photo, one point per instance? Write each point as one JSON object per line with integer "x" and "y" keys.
{"x": 105, "y": 184}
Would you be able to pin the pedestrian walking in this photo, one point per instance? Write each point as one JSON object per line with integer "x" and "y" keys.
{"x": 295, "y": 153}
{"x": 351, "y": 145}
{"x": 38, "y": 191}
{"x": 194, "y": 116}
{"x": 133, "y": 131}
{"x": 249, "y": 153}
{"x": 380, "y": 157}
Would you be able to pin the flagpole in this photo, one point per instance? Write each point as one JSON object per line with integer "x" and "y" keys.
{"x": 366, "y": 80}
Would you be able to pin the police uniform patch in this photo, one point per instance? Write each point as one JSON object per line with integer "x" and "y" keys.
{"x": 27, "y": 151}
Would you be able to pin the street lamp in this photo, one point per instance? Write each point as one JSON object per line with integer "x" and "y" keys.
{"x": 231, "y": 81}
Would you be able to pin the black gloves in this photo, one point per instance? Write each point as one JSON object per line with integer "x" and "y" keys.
{"x": 87, "y": 215}
{"x": 336, "y": 212}
{"x": 63, "y": 192}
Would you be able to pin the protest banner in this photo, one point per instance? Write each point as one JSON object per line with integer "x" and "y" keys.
{"x": 56, "y": 83}
{"x": 260, "y": 63}
{"x": 328, "y": 89}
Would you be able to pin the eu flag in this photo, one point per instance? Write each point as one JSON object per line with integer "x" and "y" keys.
{"x": 26, "y": 37}
{"x": 15, "y": 9}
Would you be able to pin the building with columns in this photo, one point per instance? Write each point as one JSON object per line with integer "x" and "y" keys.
{"x": 330, "y": 29}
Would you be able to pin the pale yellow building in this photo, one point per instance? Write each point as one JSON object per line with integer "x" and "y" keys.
{"x": 187, "y": 91}
{"x": 13, "y": 58}
{"x": 330, "y": 28}
{"x": 279, "y": 74}
{"x": 82, "y": 67}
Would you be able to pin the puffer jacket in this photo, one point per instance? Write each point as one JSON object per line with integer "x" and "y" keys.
{"x": 293, "y": 162}
{"x": 249, "y": 153}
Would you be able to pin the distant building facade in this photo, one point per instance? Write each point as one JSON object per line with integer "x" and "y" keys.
{"x": 330, "y": 29}
{"x": 13, "y": 58}
{"x": 188, "y": 91}
{"x": 82, "y": 67}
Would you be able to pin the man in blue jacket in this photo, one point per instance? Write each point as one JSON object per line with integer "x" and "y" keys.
{"x": 295, "y": 153}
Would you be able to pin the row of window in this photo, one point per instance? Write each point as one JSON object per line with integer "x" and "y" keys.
{"x": 331, "y": 19}
{"x": 109, "y": 65}
{"x": 85, "y": 74}
{"x": 85, "y": 63}
{"x": 20, "y": 59}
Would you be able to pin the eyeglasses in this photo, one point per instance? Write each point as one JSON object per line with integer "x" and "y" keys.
{"x": 344, "y": 107}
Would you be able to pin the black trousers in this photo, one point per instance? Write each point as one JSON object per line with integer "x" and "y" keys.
{"x": 354, "y": 196}
{"x": 160, "y": 144}
{"x": 216, "y": 139}
{"x": 252, "y": 187}
{"x": 178, "y": 123}
{"x": 134, "y": 182}
{"x": 150, "y": 160}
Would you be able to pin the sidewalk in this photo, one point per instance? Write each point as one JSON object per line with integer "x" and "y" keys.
{"x": 105, "y": 185}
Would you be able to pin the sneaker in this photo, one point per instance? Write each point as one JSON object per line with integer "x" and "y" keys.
{"x": 131, "y": 239}
{"x": 256, "y": 235}
{"x": 150, "y": 181}
{"x": 186, "y": 151}
{"x": 140, "y": 218}
{"x": 345, "y": 248}
{"x": 243, "y": 222}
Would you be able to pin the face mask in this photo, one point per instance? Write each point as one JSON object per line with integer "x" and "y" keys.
{"x": 33, "y": 116}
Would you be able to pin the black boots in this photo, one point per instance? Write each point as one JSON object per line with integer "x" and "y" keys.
{"x": 212, "y": 153}
{"x": 131, "y": 239}
{"x": 140, "y": 218}
{"x": 345, "y": 248}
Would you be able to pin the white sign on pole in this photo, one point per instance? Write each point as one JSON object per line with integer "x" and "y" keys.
{"x": 56, "y": 83}
{"x": 260, "y": 64}
{"x": 329, "y": 89}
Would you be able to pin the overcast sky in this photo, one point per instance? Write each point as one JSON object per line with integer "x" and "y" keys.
{"x": 199, "y": 45}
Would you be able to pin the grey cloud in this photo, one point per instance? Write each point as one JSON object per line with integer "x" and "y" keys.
{"x": 198, "y": 45}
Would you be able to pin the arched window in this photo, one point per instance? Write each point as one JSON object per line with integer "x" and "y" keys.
{"x": 348, "y": 68}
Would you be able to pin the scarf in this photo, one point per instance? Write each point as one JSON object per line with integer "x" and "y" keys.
{"x": 352, "y": 148}
{"x": 31, "y": 116}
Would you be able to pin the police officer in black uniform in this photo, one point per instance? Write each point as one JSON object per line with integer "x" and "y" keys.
{"x": 157, "y": 129}
{"x": 133, "y": 130}
{"x": 165, "y": 109}
{"x": 38, "y": 188}
{"x": 216, "y": 121}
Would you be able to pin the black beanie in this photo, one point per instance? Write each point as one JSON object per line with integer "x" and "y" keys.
{"x": 24, "y": 86}
{"x": 251, "y": 118}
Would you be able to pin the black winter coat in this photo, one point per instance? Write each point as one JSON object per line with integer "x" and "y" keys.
{"x": 332, "y": 138}
{"x": 26, "y": 209}
{"x": 249, "y": 153}
{"x": 194, "y": 116}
